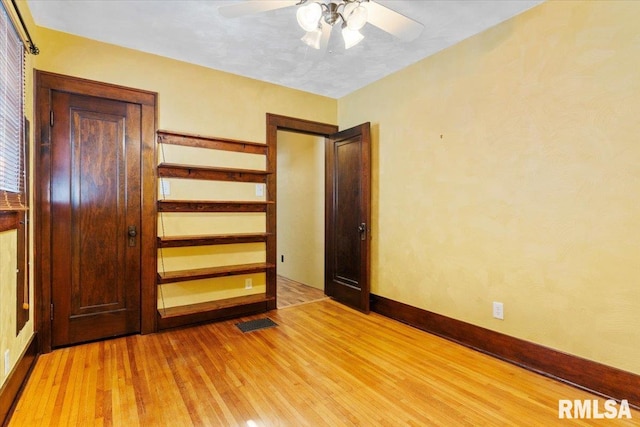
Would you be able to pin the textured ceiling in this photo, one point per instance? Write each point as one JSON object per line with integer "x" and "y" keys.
{"x": 266, "y": 46}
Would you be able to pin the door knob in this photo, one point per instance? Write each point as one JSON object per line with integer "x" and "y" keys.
{"x": 132, "y": 232}
{"x": 362, "y": 228}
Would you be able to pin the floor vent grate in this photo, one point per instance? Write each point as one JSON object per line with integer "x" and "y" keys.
{"x": 257, "y": 324}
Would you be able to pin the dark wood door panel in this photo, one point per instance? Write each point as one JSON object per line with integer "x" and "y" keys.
{"x": 97, "y": 225}
{"x": 346, "y": 257}
{"x": 96, "y": 199}
{"x": 348, "y": 213}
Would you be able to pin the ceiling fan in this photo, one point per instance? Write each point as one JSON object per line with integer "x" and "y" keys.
{"x": 318, "y": 17}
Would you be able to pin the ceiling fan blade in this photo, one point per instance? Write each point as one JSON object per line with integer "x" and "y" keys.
{"x": 392, "y": 22}
{"x": 254, "y": 6}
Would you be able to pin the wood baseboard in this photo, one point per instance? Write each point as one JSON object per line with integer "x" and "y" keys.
{"x": 12, "y": 388}
{"x": 594, "y": 377}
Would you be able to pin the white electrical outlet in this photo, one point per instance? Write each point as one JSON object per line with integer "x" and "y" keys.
{"x": 165, "y": 187}
{"x": 259, "y": 190}
{"x": 498, "y": 310}
{"x": 7, "y": 362}
{"x": 248, "y": 283}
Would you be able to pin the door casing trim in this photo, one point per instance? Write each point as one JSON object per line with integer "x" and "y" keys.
{"x": 274, "y": 124}
{"x": 45, "y": 83}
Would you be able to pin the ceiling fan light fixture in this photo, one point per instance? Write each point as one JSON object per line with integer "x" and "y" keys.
{"x": 312, "y": 38}
{"x": 318, "y": 17}
{"x": 309, "y": 16}
{"x": 351, "y": 37}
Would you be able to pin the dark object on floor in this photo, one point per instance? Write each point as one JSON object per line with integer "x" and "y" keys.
{"x": 254, "y": 325}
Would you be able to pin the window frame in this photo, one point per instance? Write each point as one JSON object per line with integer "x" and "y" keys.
{"x": 14, "y": 206}
{"x": 12, "y": 121}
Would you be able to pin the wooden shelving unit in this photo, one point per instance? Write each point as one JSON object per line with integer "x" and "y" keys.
{"x": 229, "y": 307}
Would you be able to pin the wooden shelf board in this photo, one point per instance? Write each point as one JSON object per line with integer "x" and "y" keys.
{"x": 212, "y": 206}
{"x": 213, "y": 310}
{"x": 172, "y": 170}
{"x": 210, "y": 272}
{"x": 168, "y": 137}
{"x": 214, "y": 239}
{"x": 211, "y": 305}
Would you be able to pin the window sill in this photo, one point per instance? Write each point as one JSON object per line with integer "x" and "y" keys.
{"x": 9, "y": 220}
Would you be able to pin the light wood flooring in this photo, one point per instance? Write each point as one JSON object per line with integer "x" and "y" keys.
{"x": 324, "y": 365}
{"x": 292, "y": 293}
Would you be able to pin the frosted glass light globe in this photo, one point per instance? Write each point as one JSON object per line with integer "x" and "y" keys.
{"x": 313, "y": 38}
{"x": 309, "y": 15}
{"x": 357, "y": 18}
{"x": 351, "y": 37}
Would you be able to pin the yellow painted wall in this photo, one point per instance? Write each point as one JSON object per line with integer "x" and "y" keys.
{"x": 301, "y": 208}
{"x": 192, "y": 98}
{"x": 16, "y": 344}
{"x": 506, "y": 168}
{"x": 196, "y": 100}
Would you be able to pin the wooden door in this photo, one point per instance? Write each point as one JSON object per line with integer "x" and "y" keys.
{"x": 95, "y": 215}
{"x": 348, "y": 217}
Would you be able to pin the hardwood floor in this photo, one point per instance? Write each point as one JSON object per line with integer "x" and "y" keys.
{"x": 324, "y": 365}
{"x": 292, "y": 293}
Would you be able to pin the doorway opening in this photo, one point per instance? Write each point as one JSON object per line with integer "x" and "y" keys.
{"x": 347, "y": 208}
{"x": 288, "y": 131}
{"x": 300, "y": 212}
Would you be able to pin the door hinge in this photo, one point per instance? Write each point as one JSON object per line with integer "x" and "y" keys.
{"x": 51, "y": 118}
{"x": 51, "y": 312}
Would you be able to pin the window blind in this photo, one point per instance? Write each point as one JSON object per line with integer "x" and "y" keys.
{"x": 12, "y": 177}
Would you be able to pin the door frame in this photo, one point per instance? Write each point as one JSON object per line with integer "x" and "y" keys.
{"x": 275, "y": 123}
{"x": 45, "y": 83}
